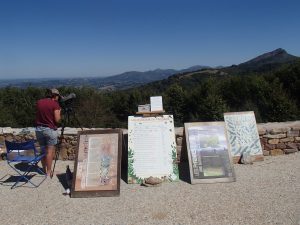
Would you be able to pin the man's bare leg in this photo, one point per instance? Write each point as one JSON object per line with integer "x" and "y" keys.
{"x": 43, "y": 161}
{"x": 50, "y": 150}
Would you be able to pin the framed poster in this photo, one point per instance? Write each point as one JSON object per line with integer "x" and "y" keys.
{"x": 208, "y": 152}
{"x": 97, "y": 163}
{"x": 151, "y": 148}
{"x": 243, "y": 135}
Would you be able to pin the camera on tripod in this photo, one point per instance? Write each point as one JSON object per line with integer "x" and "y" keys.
{"x": 67, "y": 102}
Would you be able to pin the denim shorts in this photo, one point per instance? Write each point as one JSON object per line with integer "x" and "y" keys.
{"x": 46, "y": 136}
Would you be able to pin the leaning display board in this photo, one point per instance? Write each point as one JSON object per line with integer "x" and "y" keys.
{"x": 97, "y": 163}
{"x": 243, "y": 135}
{"x": 151, "y": 148}
{"x": 208, "y": 152}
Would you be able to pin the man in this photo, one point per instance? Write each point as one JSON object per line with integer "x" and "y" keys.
{"x": 46, "y": 121}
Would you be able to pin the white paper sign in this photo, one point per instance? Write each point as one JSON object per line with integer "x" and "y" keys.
{"x": 156, "y": 103}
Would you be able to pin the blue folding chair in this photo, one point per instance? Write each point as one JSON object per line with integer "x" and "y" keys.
{"x": 24, "y": 153}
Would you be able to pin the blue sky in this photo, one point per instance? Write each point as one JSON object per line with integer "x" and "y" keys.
{"x": 71, "y": 38}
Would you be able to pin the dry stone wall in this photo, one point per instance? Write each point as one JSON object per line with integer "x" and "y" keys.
{"x": 276, "y": 139}
{"x": 279, "y": 138}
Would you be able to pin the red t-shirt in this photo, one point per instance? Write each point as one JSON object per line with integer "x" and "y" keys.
{"x": 45, "y": 112}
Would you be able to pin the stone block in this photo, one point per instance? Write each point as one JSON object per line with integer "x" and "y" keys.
{"x": 291, "y": 145}
{"x": 70, "y": 131}
{"x": 297, "y": 139}
{"x": 281, "y": 145}
{"x": 266, "y": 153}
{"x": 2, "y": 149}
{"x": 63, "y": 155}
{"x": 178, "y": 151}
{"x": 263, "y": 141}
{"x": 275, "y": 152}
{"x": 279, "y": 130}
{"x": 269, "y": 147}
{"x": 2, "y": 139}
{"x": 261, "y": 130}
{"x": 9, "y": 137}
{"x": 73, "y": 143}
{"x": 274, "y": 136}
{"x": 179, "y": 141}
{"x": 288, "y": 139}
{"x": 292, "y": 133}
{"x": 290, "y": 150}
{"x": 73, "y": 150}
{"x": 179, "y": 131}
{"x": 69, "y": 138}
{"x": 273, "y": 141}
{"x": 296, "y": 128}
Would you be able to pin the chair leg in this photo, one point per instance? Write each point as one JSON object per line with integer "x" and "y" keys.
{"x": 38, "y": 169}
{"x": 23, "y": 176}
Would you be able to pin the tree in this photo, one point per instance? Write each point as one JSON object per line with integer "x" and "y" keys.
{"x": 174, "y": 99}
{"x": 211, "y": 105}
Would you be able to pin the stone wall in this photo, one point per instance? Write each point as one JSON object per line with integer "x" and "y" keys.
{"x": 279, "y": 138}
{"x": 276, "y": 139}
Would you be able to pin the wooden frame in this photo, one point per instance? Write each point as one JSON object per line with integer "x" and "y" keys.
{"x": 208, "y": 153}
{"x": 243, "y": 135}
{"x": 97, "y": 166}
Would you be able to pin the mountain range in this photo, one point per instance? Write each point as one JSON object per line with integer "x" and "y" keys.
{"x": 121, "y": 81}
{"x": 265, "y": 62}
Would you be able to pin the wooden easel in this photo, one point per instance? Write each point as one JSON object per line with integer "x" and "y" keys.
{"x": 149, "y": 114}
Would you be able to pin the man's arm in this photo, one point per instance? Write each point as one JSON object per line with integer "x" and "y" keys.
{"x": 57, "y": 116}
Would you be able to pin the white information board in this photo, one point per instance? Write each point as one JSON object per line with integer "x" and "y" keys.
{"x": 151, "y": 148}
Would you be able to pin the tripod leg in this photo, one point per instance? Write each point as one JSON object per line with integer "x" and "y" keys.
{"x": 67, "y": 118}
{"x": 57, "y": 150}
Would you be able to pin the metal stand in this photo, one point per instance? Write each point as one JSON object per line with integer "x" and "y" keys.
{"x": 151, "y": 113}
{"x": 66, "y": 120}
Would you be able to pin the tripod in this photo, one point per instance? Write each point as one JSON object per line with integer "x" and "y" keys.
{"x": 67, "y": 113}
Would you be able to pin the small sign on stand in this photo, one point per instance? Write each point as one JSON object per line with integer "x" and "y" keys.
{"x": 155, "y": 108}
{"x": 144, "y": 108}
{"x": 156, "y": 103}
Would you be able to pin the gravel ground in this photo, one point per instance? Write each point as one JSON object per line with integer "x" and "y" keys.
{"x": 266, "y": 192}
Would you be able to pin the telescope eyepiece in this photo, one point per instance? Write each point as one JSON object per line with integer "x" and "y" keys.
{"x": 68, "y": 97}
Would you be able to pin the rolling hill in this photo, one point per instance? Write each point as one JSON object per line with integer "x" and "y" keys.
{"x": 117, "y": 82}
{"x": 266, "y": 62}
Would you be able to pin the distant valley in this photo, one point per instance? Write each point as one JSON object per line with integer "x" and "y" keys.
{"x": 265, "y": 62}
{"x": 117, "y": 82}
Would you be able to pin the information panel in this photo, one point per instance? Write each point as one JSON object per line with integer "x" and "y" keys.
{"x": 151, "y": 148}
{"x": 97, "y": 164}
{"x": 208, "y": 152}
{"x": 243, "y": 135}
